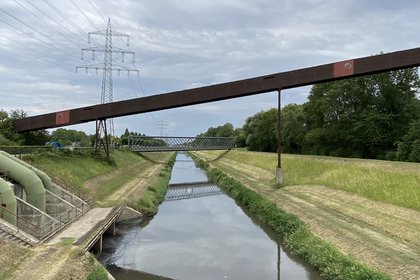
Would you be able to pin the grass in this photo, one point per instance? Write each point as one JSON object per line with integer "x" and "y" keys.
{"x": 155, "y": 194}
{"x": 74, "y": 170}
{"x": 98, "y": 272}
{"x": 297, "y": 237}
{"x": 113, "y": 184}
{"x": 391, "y": 182}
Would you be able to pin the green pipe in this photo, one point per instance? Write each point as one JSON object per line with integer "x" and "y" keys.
{"x": 46, "y": 180}
{"x": 8, "y": 201}
{"x": 35, "y": 192}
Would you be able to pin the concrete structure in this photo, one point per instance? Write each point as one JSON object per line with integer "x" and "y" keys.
{"x": 32, "y": 203}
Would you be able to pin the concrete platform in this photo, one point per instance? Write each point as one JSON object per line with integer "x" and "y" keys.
{"x": 85, "y": 226}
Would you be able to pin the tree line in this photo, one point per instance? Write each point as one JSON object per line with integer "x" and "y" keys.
{"x": 66, "y": 137}
{"x": 376, "y": 117}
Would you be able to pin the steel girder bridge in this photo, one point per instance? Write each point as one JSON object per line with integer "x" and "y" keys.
{"x": 191, "y": 190}
{"x": 275, "y": 82}
{"x": 162, "y": 143}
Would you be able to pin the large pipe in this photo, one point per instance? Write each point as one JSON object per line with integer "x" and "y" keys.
{"x": 8, "y": 201}
{"x": 46, "y": 180}
{"x": 35, "y": 192}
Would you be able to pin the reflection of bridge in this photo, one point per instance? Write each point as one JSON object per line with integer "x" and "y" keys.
{"x": 161, "y": 143}
{"x": 191, "y": 190}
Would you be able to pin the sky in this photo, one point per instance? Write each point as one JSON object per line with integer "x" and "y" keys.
{"x": 185, "y": 44}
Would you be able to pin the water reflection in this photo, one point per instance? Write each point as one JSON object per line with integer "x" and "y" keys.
{"x": 191, "y": 190}
{"x": 202, "y": 238}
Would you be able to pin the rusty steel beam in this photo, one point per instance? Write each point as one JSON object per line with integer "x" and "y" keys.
{"x": 283, "y": 80}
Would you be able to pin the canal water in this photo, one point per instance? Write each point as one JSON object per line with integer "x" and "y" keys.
{"x": 198, "y": 233}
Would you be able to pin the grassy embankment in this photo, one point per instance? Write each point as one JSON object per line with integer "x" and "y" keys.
{"x": 96, "y": 178}
{"x": 391, "y": 182}
{"x": 322, "y": 255}
{"x": 155, "y": 194}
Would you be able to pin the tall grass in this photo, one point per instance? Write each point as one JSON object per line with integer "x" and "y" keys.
{"x": 391, "y": 182}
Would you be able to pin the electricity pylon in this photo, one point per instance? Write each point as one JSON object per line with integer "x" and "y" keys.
{"x": 105, "y": 128}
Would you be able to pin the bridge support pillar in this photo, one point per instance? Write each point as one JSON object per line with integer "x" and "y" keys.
{"x": 97, "y": 247}
{"x": 279, "y": 171}
{"x": 111, "y": 229}
{"x": 279, "y": 176}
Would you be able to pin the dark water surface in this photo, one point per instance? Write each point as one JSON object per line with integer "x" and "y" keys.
{"x": 208, "y": 237}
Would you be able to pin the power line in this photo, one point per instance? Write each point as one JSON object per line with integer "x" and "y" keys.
{"x": 38, "y": 39}
{"x": 44, "y": 22}
{"x": 82, "y": 37}
{"x": 83, "y": 13}
{"x": 96, "y": 10}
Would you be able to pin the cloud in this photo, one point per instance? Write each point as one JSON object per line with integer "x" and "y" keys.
{"x": 186, "y": 44}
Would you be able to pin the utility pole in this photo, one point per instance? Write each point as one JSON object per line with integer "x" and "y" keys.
{"x": 105, "y": 127}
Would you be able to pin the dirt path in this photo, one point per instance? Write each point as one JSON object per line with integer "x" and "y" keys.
{"x": 382, "y": 235}
{"x": 50, "y": 263}
{"x": 131, "y": 191}
{"x": 93, "y": 184}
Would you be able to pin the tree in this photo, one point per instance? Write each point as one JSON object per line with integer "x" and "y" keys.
{"x": 293, "y": 128}
{"x": 409, "y": 147}
{"x": 7, "y": 130}
{"x": 70, "y": 136}
{"x": 361, "y": 117}
{"x": 13, "y": 138}
{"x": 225, "y": 130}
{"x": 260, "y": 130}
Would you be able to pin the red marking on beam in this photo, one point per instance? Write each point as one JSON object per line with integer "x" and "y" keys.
{"x": 62, "y": 117}
{"x": 343, "y": 68}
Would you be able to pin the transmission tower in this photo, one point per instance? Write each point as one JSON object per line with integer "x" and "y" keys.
{"x": 105, "y": 128}
{"x": 162, "y": 125}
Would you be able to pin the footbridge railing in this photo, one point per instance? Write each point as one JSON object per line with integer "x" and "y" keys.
{"x": 191, "y": 190}
{"x": 166, "y": 143}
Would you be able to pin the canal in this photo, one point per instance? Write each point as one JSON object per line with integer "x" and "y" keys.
{"x": 199, "y": 233}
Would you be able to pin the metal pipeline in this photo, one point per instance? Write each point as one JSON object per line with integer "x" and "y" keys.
{"x": 35, "y": 192}
{"x": 46, "y": 180}
{"x": 7, "y": 201}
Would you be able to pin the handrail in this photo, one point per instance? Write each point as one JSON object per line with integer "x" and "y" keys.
{"x": 17, "y": 218}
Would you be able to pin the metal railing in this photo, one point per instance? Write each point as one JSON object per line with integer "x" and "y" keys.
{"x": 21, "y": 223}
{"x": 40, "y": 232}
{"x": 161, "y": 143}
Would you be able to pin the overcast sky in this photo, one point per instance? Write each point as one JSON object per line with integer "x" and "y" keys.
{"x": 186, "y": 44}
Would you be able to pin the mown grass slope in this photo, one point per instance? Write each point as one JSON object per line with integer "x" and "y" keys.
{"x": 391, "y": 182}
{"x": 91, "y": 175}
